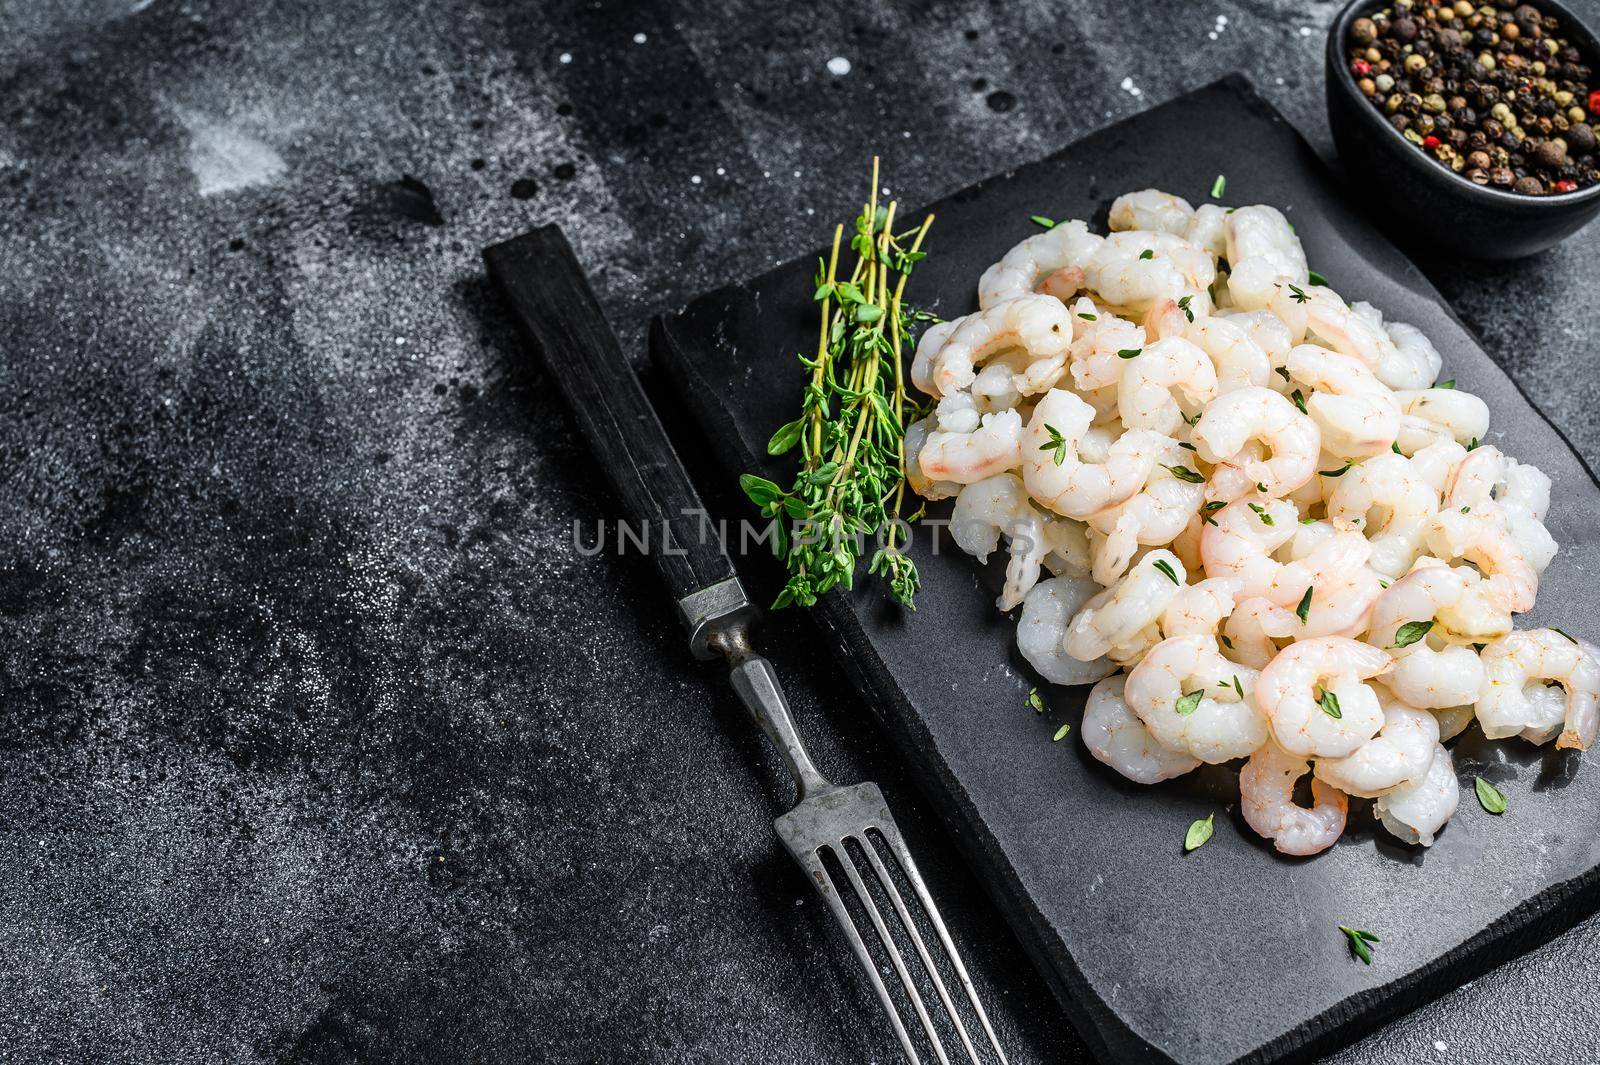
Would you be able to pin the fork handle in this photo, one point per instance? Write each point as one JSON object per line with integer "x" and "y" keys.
{"x": 757, "y": 685}
{"x": 555, "y": 306}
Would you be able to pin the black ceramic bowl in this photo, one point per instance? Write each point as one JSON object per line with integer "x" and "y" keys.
{"x": 1429, "y": 204}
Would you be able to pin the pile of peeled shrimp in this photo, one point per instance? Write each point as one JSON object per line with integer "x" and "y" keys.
{"x": 1269, "y": 533}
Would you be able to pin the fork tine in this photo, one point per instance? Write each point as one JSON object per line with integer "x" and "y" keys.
{"x": 910, "y": 926}
{"x": 895, "y": 958}
{"x": 812, "y": 861}
{"x": 891, "y": 836}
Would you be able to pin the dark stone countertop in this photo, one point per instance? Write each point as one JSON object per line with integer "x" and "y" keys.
{"x": 319, "y": 740}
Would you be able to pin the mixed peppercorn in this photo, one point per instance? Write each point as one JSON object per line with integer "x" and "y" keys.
{"x": 1494, "y": 91}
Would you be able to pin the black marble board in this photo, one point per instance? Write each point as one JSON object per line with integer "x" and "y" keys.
{"x": 1232, "y": 953}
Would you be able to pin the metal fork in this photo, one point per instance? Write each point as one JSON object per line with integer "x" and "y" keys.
{"x": 832, "y": 823}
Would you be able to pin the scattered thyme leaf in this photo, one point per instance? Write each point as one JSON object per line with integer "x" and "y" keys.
{"x": 1033, "y": 701}
{"x": 1559, "y": 632}
{"x": 1360, "y": 941}
{"x": 1199, "y": 832}
{"x": 1061, "y": 733}
{"x": 1167, "y": 571}
{"x": 1129, "y": 353}
{"x": 1298, "y": 293}
{"x": 1042, "y": 221}
{"x": 1316, "y": 278}
{"x": 1410, "y": 633}
{"x": 1188, "y": 703}
{"x": 1183, "y": 305}
{"x": 1261, "y": 512}
{"x": 1184, "y": 473}
{"x": 1305, "y": 606}
{"x": 1489, "y": 797}
{"x": 1219, "y": 186}
{"x": 1329, "y": 703}
{"x": 1148, "y": 253}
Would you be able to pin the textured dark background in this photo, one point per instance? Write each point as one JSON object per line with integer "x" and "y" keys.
{"x": 318, "y": 738}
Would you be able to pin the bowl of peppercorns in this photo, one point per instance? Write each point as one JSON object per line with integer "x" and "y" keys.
{"x": 1473, "y": 124}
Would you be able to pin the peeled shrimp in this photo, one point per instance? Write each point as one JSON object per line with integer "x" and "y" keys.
{"x": 1117, "y": 617}
{"x": 1262, "y": 250}
{"x": 1357, "y": 414}
{"x": 1239, "y": 360}
{"x": 1393, "y": 506}
{"x": 1124, "y": 274}
{"x": 1054, "y": 471}
{"x": 1154, "y": 516}
{"x": 996, "y": 506}
{"x": 1266, "y": 799}
{"x": 1342, "y": 586}
{"x": 1224, "y": 724}
{"x": 916, "y": 436}
{"x": 1489, "y": 482}
{"x": 1040, "y": 325}
{"x": 1484, "y": 540}
{"x": 1150, "y": 209}
{"x": 1432, "y": 414}
{"x": 1240, "y": 538}
{"x": 1415, "y": 362}
{"x": 1515, "y": 701}
{"x": 967, "y": 446}
{"x": 1399, "y": 754}
{"x": 1199, "y": 609}
{"x": 1235, "y": 418}
{"x": 1415, "y": 812}
{"x": 1208, "y": 230}
{"x": 1293, "y": 694}
{"x": 1046, "y": 612}
{"x": 1064, "y": 246}
{"x": 1119, "y": 739}
{"x": 1145, "y": 397}
{"x": 1429, "y": 672}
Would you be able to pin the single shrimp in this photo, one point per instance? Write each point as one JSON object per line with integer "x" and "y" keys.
{"x": 1208, "y": 230}
{"x": 1256, "y": 630}
{"x": 1095, "y": 362}
{"x": 1119, "y": 739}
{"x": 1340, "y": 327}
{"x": 1262, "y": 250}
{"x": 1199, "y": 609}
{"x": 1053, "y": 469}
{"x": 1153, "y": 517}
{"x": 1040, "y": 325}
{"x": 999, "y": 506}
{"x": 1356, "y": 412}
{"x": 1484, "y": 540}
{"x": 1436, "y": 463}
{"x": 1064, "y": 246}
{"x": 1235, "y": 418}
{"x": 1240, "y": 362}
{"x": 1432, "y": 414}
{"x": 1414, "y": 363}
{"x": 1136, "y": 269}
{"x": 1145, "y": 397}
{"x": 1047, "y": 610}
{"x": 1238, "y": 541}
{"x": 916, "y": 436}
{"x": 1294, "y": 693}
{"x": 1116, "y": 617}
{"x": 1223, "y": 723}
{"x": 1266, "y": 799}
{"x": 1415, "y": 812}
{"x": 1150, "y": 209}
{"x": 969, "y": 447}
{"x": 1331, "y": 588}
{"x": 1515, "y": 701}
{"x": 1269, "y": 334}
{"x": 1399, "y": 754}
{"x": 1429, "y": 671}
{"x": 1391, "y": 504}
{"x": 1488, "y": 481}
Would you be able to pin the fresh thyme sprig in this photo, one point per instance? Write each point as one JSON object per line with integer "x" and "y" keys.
{"x": 851, "y": 429}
